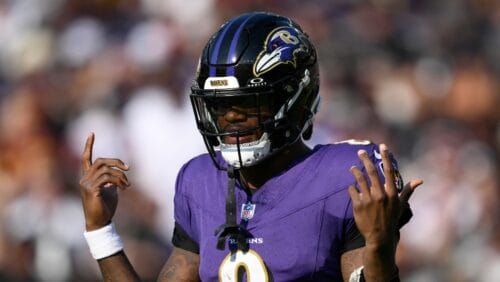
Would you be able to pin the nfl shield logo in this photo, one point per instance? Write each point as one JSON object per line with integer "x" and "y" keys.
{"x": 247, "y": 211}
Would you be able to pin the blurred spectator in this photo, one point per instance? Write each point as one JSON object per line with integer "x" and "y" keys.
{"x": 422, "y": 76}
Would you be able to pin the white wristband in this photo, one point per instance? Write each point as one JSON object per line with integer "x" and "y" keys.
{"x": 357, "y": 275}
{"x": 104, "y": 241}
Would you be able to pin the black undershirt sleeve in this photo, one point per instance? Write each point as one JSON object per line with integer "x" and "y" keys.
{"x": 354, "y": 239}
{"x": 181, "y": 239}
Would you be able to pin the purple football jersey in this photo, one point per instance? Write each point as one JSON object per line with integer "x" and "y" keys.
{"x": 298, "y": 219}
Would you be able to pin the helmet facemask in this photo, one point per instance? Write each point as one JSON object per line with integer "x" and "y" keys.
{"x": 241, "y": 142}
{"x": 275, "y": 123}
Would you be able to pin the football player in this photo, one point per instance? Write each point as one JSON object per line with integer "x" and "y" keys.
{"x": 262, "y": 205}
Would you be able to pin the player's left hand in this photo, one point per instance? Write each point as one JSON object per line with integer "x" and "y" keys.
{"x": 377, "y": 209}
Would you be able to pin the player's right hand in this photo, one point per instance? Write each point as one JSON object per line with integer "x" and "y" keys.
{"x": 98, "y": 186}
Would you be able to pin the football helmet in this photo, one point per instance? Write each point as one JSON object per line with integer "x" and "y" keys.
{"x": 266, "y": 65}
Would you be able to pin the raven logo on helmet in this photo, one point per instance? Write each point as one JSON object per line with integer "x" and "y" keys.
{"x": 280, "y": 47}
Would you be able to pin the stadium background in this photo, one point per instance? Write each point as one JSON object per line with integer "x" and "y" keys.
{"x": 422, "y": 76}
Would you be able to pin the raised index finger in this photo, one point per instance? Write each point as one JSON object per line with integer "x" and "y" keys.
{"x": 87, "y": 152}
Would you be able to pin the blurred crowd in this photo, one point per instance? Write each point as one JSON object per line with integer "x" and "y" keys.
{"x": 421, "y": 76}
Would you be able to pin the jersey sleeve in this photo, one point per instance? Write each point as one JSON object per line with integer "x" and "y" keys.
{"x": 182, "y": 240}
{"x": 185, "y": 231}
{"x": 352, "y": 146}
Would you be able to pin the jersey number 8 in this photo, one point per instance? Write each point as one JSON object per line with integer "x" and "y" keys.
{"x": 231, "y": 268}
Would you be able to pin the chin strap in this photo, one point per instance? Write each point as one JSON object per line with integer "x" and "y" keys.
{"x": 230, "y": 229}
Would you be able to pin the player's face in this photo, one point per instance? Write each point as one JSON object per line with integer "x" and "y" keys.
{"x": 241, "y": 116}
